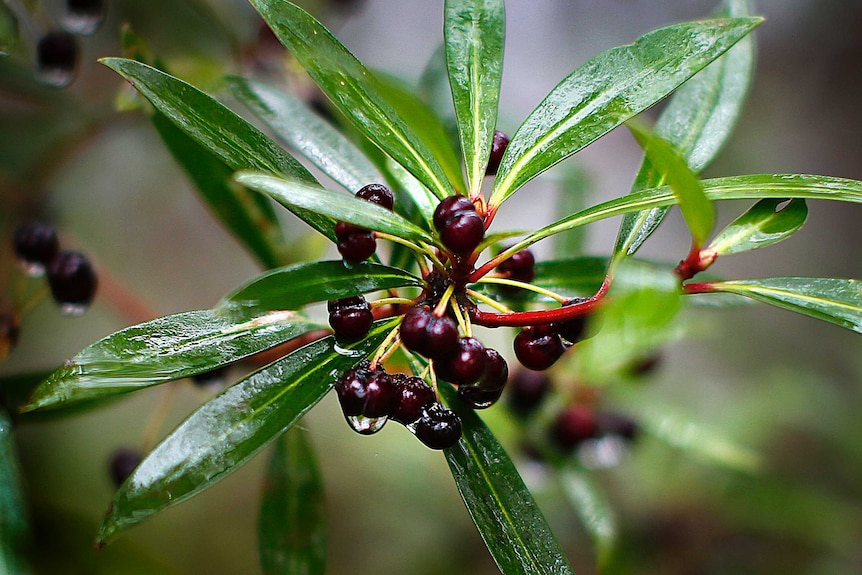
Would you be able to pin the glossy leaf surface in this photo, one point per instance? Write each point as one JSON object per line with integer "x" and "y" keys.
{"x": 292, "y": 514}
{"x": 355, "y": 92}
{"x": 595, "y": 512}
{"x": 295, "y": 286}
{"x": 608, "y": 90}
{"x": 298, "y": 126}
{"x": 838, "y": 301}
{"x": 474, "y": 34}
{"x": 161, "y": 350}
{"x": 336, "y": 205}
{"x": 228, "y": 430}
{"x": 697, "y": 121}
{"x": 695, "y": 207}
{"x": 766, "y": 223}
{"x": 511, "y": 524}
{"x": 13, "y": 512}
{"x": 249, "y": 216}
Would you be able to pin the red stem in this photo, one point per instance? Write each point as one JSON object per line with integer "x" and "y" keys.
{"x": 703, "y": 287}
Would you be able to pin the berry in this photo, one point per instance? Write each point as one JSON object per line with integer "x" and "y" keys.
{"x": 498, "y": 146}
{"x": 350, "y": 318}
{"x": 350, "y": 389}
{"x": 449, "y": 207}
{"x": 212, "y": 378}
{"x": 83, "y": 16}
{"x": 527, "y": 390}
{"x": 355, "y": 244}
{"x": 362, "y": 391}
{"x": 36, "y": 243}
{"x": 57, "y": 51}
{"x": 377, "y": 194}
{"x": 619, "y": 424}
{"x": 489, "y": 388}
{"x": 412, "y": 397}
{"x": 538, "y": 347}
{"x": 426, "y": 334}
{"x": 466, "y": 365}
{"x": 123, "y": 463}
{"x": 519, "y": 267}
{"x": 574, "y": 425}
{"x": 379, "y": 395}
{"x": 572, "y": 330}
{"x": 461, "y": 229}
{"x": 477, "y": 398}
{"x": 438, "y": 428}
{"x": 72, "y": 279}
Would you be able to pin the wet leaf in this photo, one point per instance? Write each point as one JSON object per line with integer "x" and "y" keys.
{"x": 162, "y": 350}
{"x": 835, "y": 300}
{"x": 766, "y": 223}
{"x": 228, "y": 430}
{"x": 511, "y": 524}
{"x": 474, "y": 37}
{"x": 292, "y": 514}
{"x": 358, "y": 94}
{"x": 13, "y": 512}
{"x": 608, "y": 90}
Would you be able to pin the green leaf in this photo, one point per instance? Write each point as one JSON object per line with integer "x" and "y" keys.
{"x": 307, "y": 133}
{"x": 295, "y": 286}
{"x": 421, "y": 197}
{"x": 356, "y": 93}
{"x": 162, "y": 350}
{"x": 835, "y": 300}
{"x": 249, "y": 216}
{"x": 292, "y": 514}
{"x": 766, "y": 223}
{"x": 573, "y": 188}
{"x": 595, "y": 512}
{"x": 474, "y": 32}
{"x": 13, "y": 513}
{"x": 336, "y": 205}
{"x": 228, "y": 430}
{"x": 511, "y": 524}
{"x": 754, "y": 187}
{"x": 609, "y": 90}
{"x": 698, "y": 120}
{"x": 695, "y": 207}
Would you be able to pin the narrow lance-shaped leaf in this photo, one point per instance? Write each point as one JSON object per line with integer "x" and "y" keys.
{"x": 356, "y": 93}
{"x": 474, "y": 34}
{"x": 162, "y": 350}
{"x": 835, "y": 300}
{"x": 13, "y": 513}
{"x": 292, "y": 515}
{"x": 695, "y": 207}
{"x": 248, "y": 215}
{"x": 766, "y": 223}
{"x": 609, "y": 90}
{"x": 511, "y": 524}
{"x": 697, "y": 121}
{"x": 228, "y": 430}
{"x": 295, "y": 286}
{"x": 337, "y": 205}
{"x": 307, "y": 133}
{"x": 586, "y": 498}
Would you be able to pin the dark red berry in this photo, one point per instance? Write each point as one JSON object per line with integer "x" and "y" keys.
{"x": 574, "y": 425}
{"x": 72, "y": 279}
{"x": 362, "y": 391}
{"x": 614, "y": 423}
{"x": 352, "y": 301}
{"x": 379, "y": 395}
{"x": 412, "y": 397}
{"x": 426, "y": 334}
{"x": 351, "y": 389}
{"x": 572, "y": 330}
{"x": 527, "y": 389}
{"x": 489, "y": 388}
{"x": 83, "y": 16}
{"x": 449, "y": 207}
{"x": 463, "y": 232}
{"x": 123, "y": 463}
{"x": 377, "y": 194}
{"x": 498, "y": 146}
{"x": 350, "y": 318}
{"x": 438, "y": 428}
{"x": 357, "y": 247}
{"x": 466, "y": 365}
{"x": 520, "y": 267}
{"x": 476, "y": 397}
{"x": 36, "y": 242}
{"x": 57, "y": 51}
{"x": 538, "y": 347}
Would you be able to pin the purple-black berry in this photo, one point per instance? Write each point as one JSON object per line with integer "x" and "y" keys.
{"x": 412, "y": 397}
{"x": 538, "y": 347}
{"x": 377, "y": 194}
{"x": 123, "y": 462}
{"x": 36, "y": 243}
{"x": 461, "y": 229}
{"x": 527, "y": 389}
{"x": 350, "y": 318}
{"x": 428, "y": 335}
{"x": 574, "y": 425}
{"x": 466, "y": 365}
{"x": 498, "y": 146}
{"x": 438, "y": 428}
{"x": 72, "y": 279}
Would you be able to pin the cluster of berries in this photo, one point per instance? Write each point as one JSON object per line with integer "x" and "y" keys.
{"x": 70, "y": 274}
{"x": 57, "y": 51}
{"x": 354, "y": 243}
{"x": 539, "y": 347}
{"x": 372, "y": 393}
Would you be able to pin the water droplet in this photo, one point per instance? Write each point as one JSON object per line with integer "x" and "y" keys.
{"x": 73, "y": 309}
{"x": 32, "y": 269}
{"x": 82, "y": 23}
{"x": 57, "y": 77}
{"x": 603, "y": 453}
{"x": 366, "y": 425}
{"x": 347, "y": 352}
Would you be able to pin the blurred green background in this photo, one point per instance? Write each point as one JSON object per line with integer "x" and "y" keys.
{"x": 783, "y": 385}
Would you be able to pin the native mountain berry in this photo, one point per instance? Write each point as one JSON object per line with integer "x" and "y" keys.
{"x": 520, "y": 267}
{"x": 617, "y": 424}
{"x": 490, "y": 386}
{"x": 460, "y": 227}
{"x": 412, "y": 397}
{"x": 365, "y": 391}
{"x": 57, "y": 51}
{"x": 438, "y": 428}
{"x": 574, "y": 425}
{"x": 498, "y": 146}
{"x": 36, "y": 244}
{"x": 354, "y": 243}
{"x": 72, "y": 279}
{"x": 377, "y": 194}
{"x": 428, "y": 335}
{"x": 527, "y": 390}
{"x": 350, "y": 318}
{"x": 466, "y": 365}
{"x": 538, "y": 347}
{"x": 122, "y": 463}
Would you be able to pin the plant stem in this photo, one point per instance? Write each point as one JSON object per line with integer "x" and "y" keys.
{"x": 524, "y": 286}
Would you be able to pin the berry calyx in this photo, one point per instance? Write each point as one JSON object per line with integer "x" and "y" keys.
{"x": 412, "y": 397}
{"x": 438, "y": 428}
{"x": 461, "y": 229}
{"x": 72, "y": 279}
{"x": 574, "y": 425}
{"x": 538, "y": 347}
{"x": 498, "y": 146}
{"x": 466, "y": 365}
{"x": 428, "y": 335}
{"x": 350, "y": 318}
{"x": 377, "y": 194}
{"x": 520, "y": 267}
{"x": 36, "y": 243}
